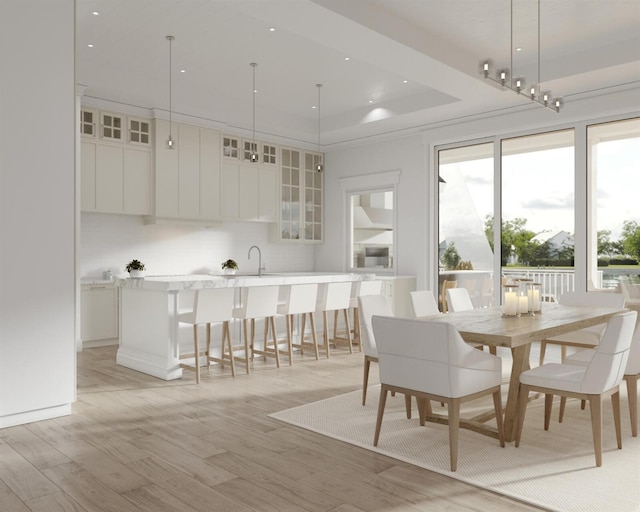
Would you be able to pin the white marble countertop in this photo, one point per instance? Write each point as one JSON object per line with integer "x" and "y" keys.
{"x": 197, "y": 281}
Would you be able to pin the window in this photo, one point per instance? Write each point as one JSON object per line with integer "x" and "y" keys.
{"x": 111, "y": 127}
{"x": 88, "y": 123}
{"x": 372, "y": 221}
{"x": 230, "y": 147}
{"x": 269, "y": 154}
{"x": 138, "y": 131}
{"x": 613, "y": 164}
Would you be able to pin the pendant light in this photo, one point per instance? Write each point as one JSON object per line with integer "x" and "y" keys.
{"x": 170, "y": 143}
{"x": 254, "y": 147}
{"x": 319, "y": 167}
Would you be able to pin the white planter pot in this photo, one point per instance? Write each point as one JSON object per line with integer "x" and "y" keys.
{"x": 136, "y": 273}
{"x": 229, "y": 271}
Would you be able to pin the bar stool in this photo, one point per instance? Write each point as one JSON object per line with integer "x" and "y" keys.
{"x": 210, "y": 305}
{"x": 360, "y": 289}
{"x": 446, "y": 285}
{"x": 335, "y": 297}
{"x": 258, "y": 302}
{"x": 299, "y": 299}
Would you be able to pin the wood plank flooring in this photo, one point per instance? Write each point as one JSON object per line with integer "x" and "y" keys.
{"x": 137, "y": 443}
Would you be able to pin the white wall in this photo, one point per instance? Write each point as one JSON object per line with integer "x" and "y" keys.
{"x": 109, "y": 242}
{"x": 37, "y": 257}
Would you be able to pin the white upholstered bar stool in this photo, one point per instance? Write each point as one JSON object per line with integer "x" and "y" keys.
{"x": 299, "y": 299}
{"x": 335, "y": 296}
{"x": 361, "y": 289}
{"x": 210, "y": 305}
{"x": 258, "y": 302}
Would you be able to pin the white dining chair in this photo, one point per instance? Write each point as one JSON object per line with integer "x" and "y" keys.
{"x": 210, "y": 305}
{"x": 583, "y": 338}
{"x": 423, "y": 303}
{"x": 458, "y": 299}
{"x": 431, "y": 361}
{"x": 631, "y": 375}
{"x": 600, "y": 378}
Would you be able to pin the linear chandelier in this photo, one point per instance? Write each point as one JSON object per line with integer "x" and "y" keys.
{"x": 517, "y": 84}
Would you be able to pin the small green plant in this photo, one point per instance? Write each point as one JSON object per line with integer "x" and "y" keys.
{"x": 230, "y": 264}
{"x": 134, "y": 265}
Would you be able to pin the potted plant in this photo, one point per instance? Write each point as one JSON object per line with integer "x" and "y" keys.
{"x": 229, "y": 267}
{"x": 135, "y": 268}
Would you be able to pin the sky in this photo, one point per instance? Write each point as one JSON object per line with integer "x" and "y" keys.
{"x": 539, "y": 186}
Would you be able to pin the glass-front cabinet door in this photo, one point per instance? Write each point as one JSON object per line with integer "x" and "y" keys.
{"x": 290, "y": 202}
{"x": 312, "y": 198}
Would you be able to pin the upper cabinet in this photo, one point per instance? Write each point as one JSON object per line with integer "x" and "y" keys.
{"x": 116, "y": 163}
{"x": 301, "y": 190}
{"x": 187, "y": 176}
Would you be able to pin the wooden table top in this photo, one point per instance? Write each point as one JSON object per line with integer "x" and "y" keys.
{"x": 489, "y": 327}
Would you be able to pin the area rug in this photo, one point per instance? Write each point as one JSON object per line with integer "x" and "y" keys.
{"x": 554, "y": 470}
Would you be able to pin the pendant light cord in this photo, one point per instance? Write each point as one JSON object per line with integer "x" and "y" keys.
{"x": 170, "y": 39}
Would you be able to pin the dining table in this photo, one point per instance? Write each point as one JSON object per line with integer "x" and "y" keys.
{"x": 488, "y": 326}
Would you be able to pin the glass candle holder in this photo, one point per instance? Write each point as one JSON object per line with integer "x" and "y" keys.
{"x": 534, "y": 293}
{"x": 510, "y": 300}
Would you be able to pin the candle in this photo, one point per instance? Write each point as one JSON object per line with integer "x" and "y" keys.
{"x": 523, "y": 304}
{"x": 510, "y": 303}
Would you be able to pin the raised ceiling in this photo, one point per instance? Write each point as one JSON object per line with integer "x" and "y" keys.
{"x": 412, "y": 63}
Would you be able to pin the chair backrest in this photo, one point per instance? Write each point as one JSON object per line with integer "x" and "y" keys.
{"x": 458, "y": 299}
{"x": 260, "y": 301}
{"x": 333, "y": 296}
{"x": 423, "y": 303}
{"x": 369, "y": 306}
{"x": 594, "y": 298}
{"x": 300, "y": 298}
{"x": 633, "y": 364}
{"x": 431, "y": 357}
{"x": 608, "y": 364}
{"x": 213, "y": 305}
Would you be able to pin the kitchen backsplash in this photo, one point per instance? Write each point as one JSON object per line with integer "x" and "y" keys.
{"x": 109, "y": 242}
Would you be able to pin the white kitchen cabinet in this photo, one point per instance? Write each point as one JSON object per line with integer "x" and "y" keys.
{"x": 397, "y": 289}
{"x": 188, "y": 176}
{"x": 301, "y": 201}
{"x": 248, "y": 191}
{"x": 98, "y": 315}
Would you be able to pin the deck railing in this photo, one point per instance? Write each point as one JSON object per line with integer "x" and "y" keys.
{"x": 554, "y": 282}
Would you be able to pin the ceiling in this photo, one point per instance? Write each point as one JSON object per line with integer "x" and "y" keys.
{"x": 412, "y": 63}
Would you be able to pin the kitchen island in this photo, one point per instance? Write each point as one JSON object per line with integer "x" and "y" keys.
{"x": 150, "y": 334}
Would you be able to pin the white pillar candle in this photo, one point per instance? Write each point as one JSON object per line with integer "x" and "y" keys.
{"x": 523, "y": 304}
{"x": 510, "y": 303}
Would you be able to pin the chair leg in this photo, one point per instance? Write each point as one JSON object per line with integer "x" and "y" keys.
{"x": 595, "y": 404}
{"x": 523, "y": 397}
{"x": 381, "y": 405}
{"x": 543, "y": 350}
{"x": 548, "y": 402}
{"x": 497, "y": 405}
{"x": 454, "y": 429}
{"x": 632, "y": 396}
{"x": 615, "y": 404}
{"x": 365, "y": 379}
{"x": 563, "y": 404}
{"x": 407, "y": 405}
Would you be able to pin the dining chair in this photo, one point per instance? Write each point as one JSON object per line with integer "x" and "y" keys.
{"x": 210, "y": 305}
{"x": 446, "y": 285}
{"x": 588, "y": 337}
{"x": 258, "y": 302}
{"x": 423, "y": 303}
{"x": 458, "y": 299}
{"x": 358, "y": 289}
{"x": 631, "y": 375}
{"x": 599, "y": 379}
{"x": 431, "y": 361}
{"x": 299, "y": 299}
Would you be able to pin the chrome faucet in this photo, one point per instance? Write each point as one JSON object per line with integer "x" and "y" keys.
{"x": 260, "y": 267}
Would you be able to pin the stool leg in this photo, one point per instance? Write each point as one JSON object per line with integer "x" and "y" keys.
{"x": 246, "y": 343}
{"x": 208, "y": 345}
{"x": 326, "y": 334}
{"x": 290, "y": 339}
{"x": 346, "y": 321}
{"x": 302, "y": 329}
{"x": 314, "y": 336}
{"x": 227, "y": 334}
{"x": 196, "y": 352}
{"x": 272, "y": 321}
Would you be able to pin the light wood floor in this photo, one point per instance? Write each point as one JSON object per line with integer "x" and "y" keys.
{"x": 136, "y": 443}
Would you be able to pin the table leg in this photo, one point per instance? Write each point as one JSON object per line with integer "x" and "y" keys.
{"x": 520, "y": 357}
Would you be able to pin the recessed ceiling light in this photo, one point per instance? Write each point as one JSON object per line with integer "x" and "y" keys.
{"x": 95, "y": 13}
{"x": 347, "y": 58}
{"x": 405, "y": 81}
{"x": 183, "y": 71}
{"x": 272, "y": 29}
{"x": 518, "y": 49}
{"x": 313, "y": 106}
{"x": 370, "y": 101}
{"x": 90, "y": 45}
